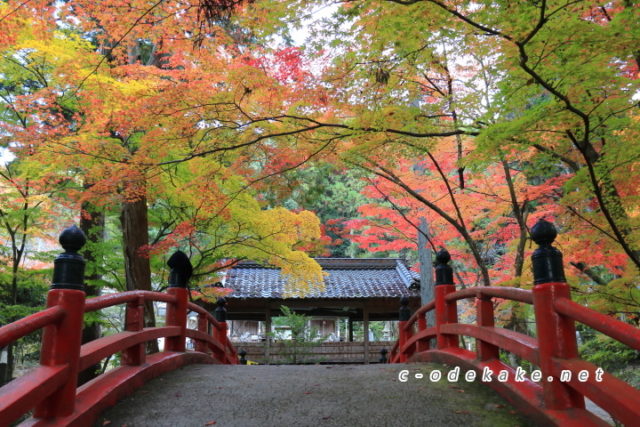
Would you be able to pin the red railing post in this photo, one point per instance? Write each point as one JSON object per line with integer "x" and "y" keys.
{"x": 556, "y": 333}
{"x": 134, "y": 321}
{"x": 484, "y": 317}
{"x": 220, "y": 334}
{"x": 404, "y": 333}
{"x": 446, "y": 312}
{"x": 181, "y": 271}
{"x": 203, "y": 326}
{"x": 423, "y": 344}
{"x": 61, "y": 342}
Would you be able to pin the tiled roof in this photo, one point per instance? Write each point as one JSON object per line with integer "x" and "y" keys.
{"x": 347, "y": 278}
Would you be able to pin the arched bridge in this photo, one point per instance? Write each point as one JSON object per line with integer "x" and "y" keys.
{"x": 551, "y": 394}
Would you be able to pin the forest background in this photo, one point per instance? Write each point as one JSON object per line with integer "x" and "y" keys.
{"x": 202, "y": 125}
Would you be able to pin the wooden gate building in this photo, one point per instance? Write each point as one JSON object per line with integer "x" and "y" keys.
{"x": 355, "y": 289}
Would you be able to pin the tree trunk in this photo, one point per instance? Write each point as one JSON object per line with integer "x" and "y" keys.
{"x": 427, "y": 292}
{"x": 92, "y": 224}
{"x": 135, "y": 235}
{"x": 520, "y": 214}
{"x": 6, "y": 369}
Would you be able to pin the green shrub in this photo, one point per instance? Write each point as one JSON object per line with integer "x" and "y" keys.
{"x": 608, "y": 353}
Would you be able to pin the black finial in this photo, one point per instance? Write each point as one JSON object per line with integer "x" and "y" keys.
{"x": 405, "y": 312}
{"x": 242, "y": 354}
{"x": 383, "y": 355}
{"x": 444, "y": 272}
{"x": 543, "y": 232}
{"x": 72, "y": 239}
{"x": 68, "y": 267}
{"x": 546, "y": 260}
{"x": 221, "y": 311}
{"x": 181, "y": 270}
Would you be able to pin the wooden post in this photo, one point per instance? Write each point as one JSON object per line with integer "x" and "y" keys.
{"x": 484, "y": 317}
{"x": 424, "y": 344}
{"x": 445, "y": 312}
{"x": 134, "y": 321}
{"x": 203, "y": 326}
{"x": 181, "y": 270}
{"x": 220, "y": 333}
{"x": 267, "y": 342}
{"x": 350, "y": 325}
{"x": 556, "y": 333}
{"x": 61, "y": 342}
{"x": 404, "y": 334}
{"x": 365, "y": 326}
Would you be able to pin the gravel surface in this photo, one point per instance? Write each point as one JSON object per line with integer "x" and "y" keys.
{"x": 309, "y": 395}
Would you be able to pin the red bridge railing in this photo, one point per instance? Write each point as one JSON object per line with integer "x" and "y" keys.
{"x": 553, "y": 394}
{"x": 51, "y": 390}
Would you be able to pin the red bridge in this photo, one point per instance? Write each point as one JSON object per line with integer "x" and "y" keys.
{"x": 553, "y": 394}
{"x": 51, "y": 389}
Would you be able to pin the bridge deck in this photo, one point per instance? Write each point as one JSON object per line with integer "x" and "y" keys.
{"x": 311, "y": 395}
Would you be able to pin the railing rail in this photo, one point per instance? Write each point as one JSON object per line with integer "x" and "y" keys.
{"x": 51, "y": 388}
{"x": 110, "y": 300}
{"x": 554, "y": 393}
{"x": 623, "y": 332}
{"x": 27, "y": 325}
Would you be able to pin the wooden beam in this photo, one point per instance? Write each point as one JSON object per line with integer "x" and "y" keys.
{"x": 267, "y": 333}
{"x": 365, "y": 327}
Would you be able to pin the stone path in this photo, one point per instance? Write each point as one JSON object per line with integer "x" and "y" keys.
{"x": 309, "y": 395}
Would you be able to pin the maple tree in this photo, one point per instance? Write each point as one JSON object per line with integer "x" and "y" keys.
{"x": 134, "y": 118}
{"x": 24, "y": 219}
{"x": 175, "y": 113}
{"x": 538, "y": 99}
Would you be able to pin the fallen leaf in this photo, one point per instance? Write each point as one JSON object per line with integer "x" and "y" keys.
{"x": 106, "y": 422}
{"x": 210, "y": 423}
{"x": 307, "y": 392}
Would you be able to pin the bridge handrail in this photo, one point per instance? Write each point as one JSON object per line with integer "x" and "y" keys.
{"x": 219, "y": 328}
{"x": 51, "y": 388}
{"x": 610, "y": 393}
{"x": 14, "y": 331}
{"x": 105, "y": 301}
{"x": 201, "y": 311}
{"x": 614, "y": 328}
{"x": 422, "y": 311}
{"x": 510, "y": 293}
{"x": 30, "y": 389}
{"x": 552, "y": 399}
